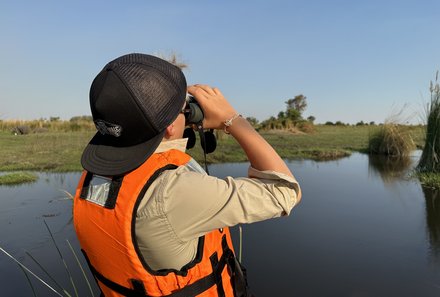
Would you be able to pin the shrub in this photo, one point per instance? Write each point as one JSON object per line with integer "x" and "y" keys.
{"x": 306, "y": 127}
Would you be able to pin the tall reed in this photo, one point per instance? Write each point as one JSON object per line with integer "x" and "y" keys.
{"x": 59, "y": 290}
{"x": 430, "y": 159}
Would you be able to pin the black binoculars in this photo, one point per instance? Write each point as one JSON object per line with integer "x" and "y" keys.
{"x": 194, "y": 116}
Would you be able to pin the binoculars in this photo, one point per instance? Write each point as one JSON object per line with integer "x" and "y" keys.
{"x": 194, "y": 116}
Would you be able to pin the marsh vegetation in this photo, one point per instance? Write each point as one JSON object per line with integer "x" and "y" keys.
{"x": 428, "y": 167}
{"x": 430, "y": 159}
{"x": 15, "y": 178}
{"x": 391, "y": 139}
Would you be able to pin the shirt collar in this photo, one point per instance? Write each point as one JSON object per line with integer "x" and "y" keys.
{"x": 178, "y": 144}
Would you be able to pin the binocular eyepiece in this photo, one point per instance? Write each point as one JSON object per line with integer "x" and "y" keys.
{"x": 193, "y": 112}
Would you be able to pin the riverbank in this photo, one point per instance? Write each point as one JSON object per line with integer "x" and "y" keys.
{"x": 61, "y": 151}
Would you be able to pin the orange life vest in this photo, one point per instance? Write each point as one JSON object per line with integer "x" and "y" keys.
{"x": 106, "y": 232}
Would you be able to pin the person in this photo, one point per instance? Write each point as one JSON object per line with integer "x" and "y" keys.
{"x": 149, "y": 220}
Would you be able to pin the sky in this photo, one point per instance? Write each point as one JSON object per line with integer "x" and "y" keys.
{"x": 353, "y": 60}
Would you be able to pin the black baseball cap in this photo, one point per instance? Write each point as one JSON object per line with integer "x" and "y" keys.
{"x": 133, "y": 100}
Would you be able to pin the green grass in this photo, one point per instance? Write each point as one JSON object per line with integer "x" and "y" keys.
{"x": 52, "y": 151}
{"x": 16, "y": 178}
{"x": 326, "y": 143}
{"x": 429, "y": 180}
{"x": 61, "y": 151}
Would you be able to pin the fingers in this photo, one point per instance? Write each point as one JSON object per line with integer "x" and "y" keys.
{"x": 197, "y": 92}
{"x": 203, "y": 91}
{"x": 208, "y": 89}
{"x": 217, "y": 91}
{"x": 215, "y": 106}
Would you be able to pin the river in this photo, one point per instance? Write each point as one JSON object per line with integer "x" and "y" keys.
{"x": 363, "y": 228}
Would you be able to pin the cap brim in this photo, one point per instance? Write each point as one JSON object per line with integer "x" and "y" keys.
{"x": 108, "y": 160}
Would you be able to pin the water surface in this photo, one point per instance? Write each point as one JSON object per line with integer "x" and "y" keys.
{"x": 362, "y": 229}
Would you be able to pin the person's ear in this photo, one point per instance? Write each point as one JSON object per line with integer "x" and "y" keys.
{"x": 170, "y": 131}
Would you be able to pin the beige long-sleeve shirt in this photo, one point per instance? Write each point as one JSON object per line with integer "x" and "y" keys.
{"x": 183, "y": 204}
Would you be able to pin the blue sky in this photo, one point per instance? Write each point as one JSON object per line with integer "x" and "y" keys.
{"x": 353, "y": 60}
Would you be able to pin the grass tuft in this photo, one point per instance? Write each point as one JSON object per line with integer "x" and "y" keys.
{"x": 16, "y": 178}
{"x": 391, "y": 139}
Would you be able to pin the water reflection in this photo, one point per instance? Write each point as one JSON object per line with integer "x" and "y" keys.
{"x": 392, "y": 170}
{"x": 432, "y": 198}
{"x": 389, "y": 169}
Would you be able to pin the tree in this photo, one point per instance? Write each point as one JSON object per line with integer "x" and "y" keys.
{"x": 291, "y": 117}
{"x": 281, "y": 115}
{"x": 295, "y": 107}
{"x": 293, "y": 114}
{"x": 253, "y": 121}
{"x": 299, "y": 102}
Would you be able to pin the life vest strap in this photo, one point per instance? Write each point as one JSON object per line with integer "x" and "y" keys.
{"x": 193, "y": 289}
{"x": 85, "y": 186}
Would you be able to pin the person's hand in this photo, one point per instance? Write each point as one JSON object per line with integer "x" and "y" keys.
{"x": 215, "y": 107}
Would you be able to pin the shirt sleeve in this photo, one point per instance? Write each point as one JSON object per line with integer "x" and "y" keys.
{"x": 195, "y": 203}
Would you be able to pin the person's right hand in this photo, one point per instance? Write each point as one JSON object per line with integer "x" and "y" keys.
{"x": 216, "y": 108}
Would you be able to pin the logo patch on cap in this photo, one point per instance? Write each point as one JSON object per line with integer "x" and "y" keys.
{"x": 108, "y": 128}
